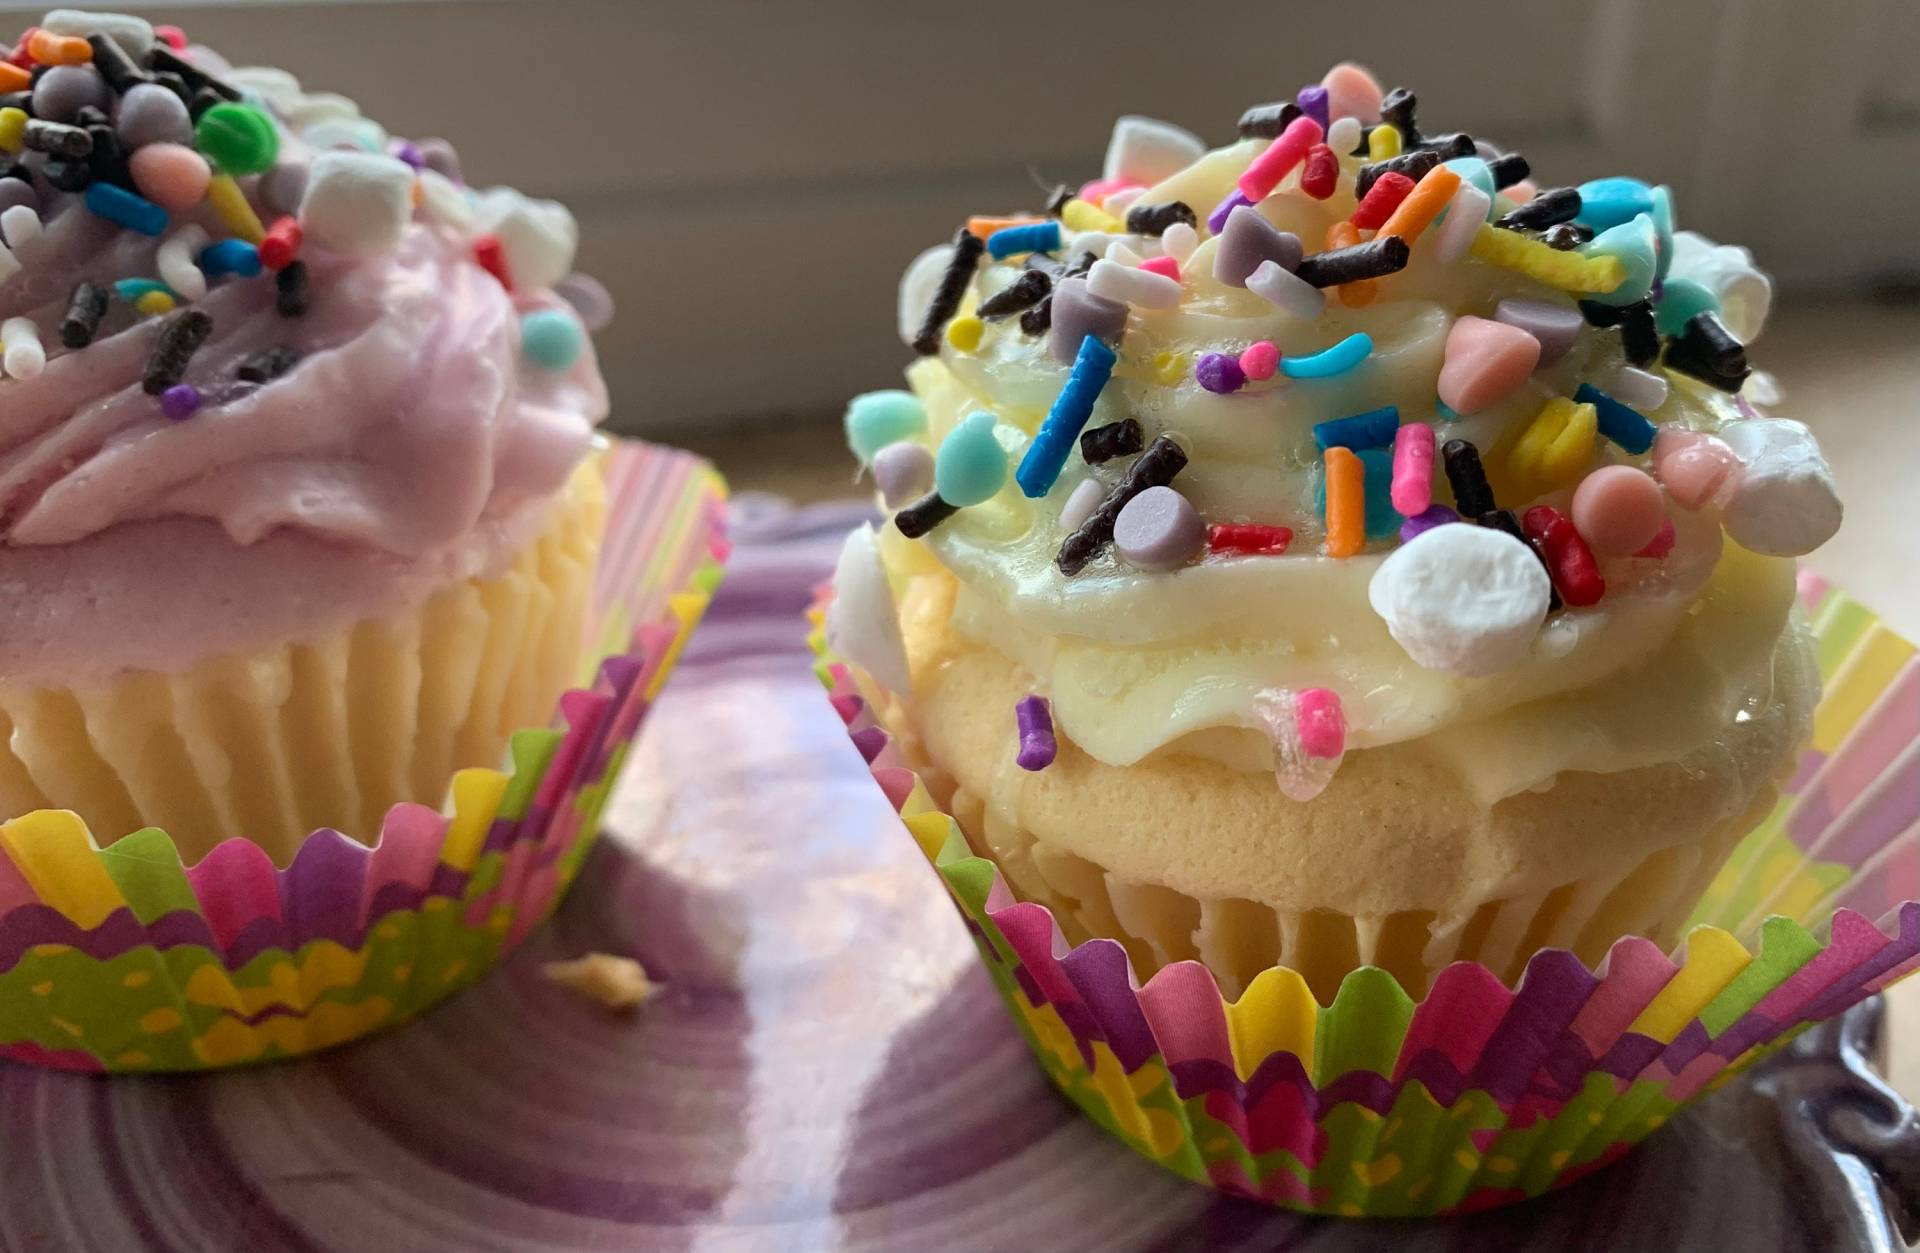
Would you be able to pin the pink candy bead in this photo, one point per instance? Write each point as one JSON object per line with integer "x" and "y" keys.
{"x": 1692, "y": 465}
{"x": 1352, "y": 92}
{"x": 173, "y": 176}
{"x": 1323, "y": 727}
{"x": 1260, "y": 360}
{"x": 1412, "y": 489}
{"x": 1618, "y": 510}
{"x": 1485, "y": 362}
{"x": 1162, "y": 265}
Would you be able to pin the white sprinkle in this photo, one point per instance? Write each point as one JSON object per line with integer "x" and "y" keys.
{"x": 19, "y": 224}
{"x": 1144, "y": 150}
{"x": 1120, "y": 254}
{"x": 1279, "y": 286}
{"x": 1143, "y": 288}
{"x": 1095, "y": 242}
{"x": 1465, "y": 600}
{"x": 1344, "y": 135}
{"x": 176, "y": 260}
{"x": 1179, "y": 242}
{"x": 24, "y": 357}
{"x": 1086, "y": 497}
{"x": 1465, "y": 213}
{"x": 1637, "y": 388}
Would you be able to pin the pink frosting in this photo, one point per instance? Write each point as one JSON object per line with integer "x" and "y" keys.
{"x": 412, "y": 444}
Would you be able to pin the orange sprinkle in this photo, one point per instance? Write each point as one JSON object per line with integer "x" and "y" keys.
{"x": 984, "y": 227}
{"x": 1345, "y": 234}
{"x": 1346, "y": 502}
{"x": 1422, "y": 205}
{"x": 14, "y": 77}
{"x": 50, "y": 49}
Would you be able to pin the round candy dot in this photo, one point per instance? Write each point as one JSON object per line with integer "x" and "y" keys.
{"x": 1217, "y": 372}
{"x": 971, "y": 465}
{"x": 171, "y": 175}
{"x": 1159, "y": 529}
{"x": 150, "y": 114}
{"x": 1692, "y": 465}
{"x": 180, "y": 402}
{"x": 1618, "y": 510}
{"x": 238, "y": 138}
{"x": 551, "y": 338}
{"x": 66, "y": 89}
{"x": 877, "y": 419}
{"x": 903, "y": 471}
{"x": 1260, "y": 360}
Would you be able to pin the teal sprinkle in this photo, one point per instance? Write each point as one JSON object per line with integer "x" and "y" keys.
{"x": 1681, "y": 300}
{"x": 1441, "y": 411}
{"x": 970, "y": 466}
{"x": 1382, "y": 518}
{"x": 1328, "y": 362}
{"x": 1662, "y": 215}
{"x": 131, "y": 289}
{"x": 1636, "y": 243}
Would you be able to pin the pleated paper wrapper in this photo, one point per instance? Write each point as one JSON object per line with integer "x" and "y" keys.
{"x": 122, "y": 959}
{"x": 1480, "y": 1094}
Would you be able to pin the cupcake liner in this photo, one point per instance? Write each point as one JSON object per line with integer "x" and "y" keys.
{"x": 124, "y": 959}
{"x": 1481, "y": 1093}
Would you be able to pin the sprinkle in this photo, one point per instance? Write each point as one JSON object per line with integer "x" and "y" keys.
{"x": 281, "y": 244}
{"x": 1447, "y": 147}
{"x": 964, "y": 334}
{"x": 1507, "y": 170}
{"x": 1159, "y": 530}
{"x": 1638, "y": 388}
{"x": 1412, "y": 166}
{"x": 115, "y": 65}
{"x": 491, "y": 255}
{"x": 181, "y": 401}
{"x": 1708, "y": 351}
{"x": 290, "y": 290}
{"x": 945, "y": 302}
{"x": 175, "y": 261}
{"x": 1383, "y": 142}
{"x": 1179, "y": 242}
{"x": 1381, "y": 200}
{"x": 1554, "y": 449}
{"x": 1552, "y": 207}
{"x": 13, "y": 128}
{"x": 230, "y": 256}
{"x": 1285, "y": 152}
{"x": 1609, "y": 202}
{"x": 1155, "y": 468}
{"x": 1374, "y": 429}
{"x": 1397, "y": 110}
{"x": 1618, "y": 509}
{"x": 266, "y": 365}
{"x": 1484, "y": 363}
{"x": 986, "y": 227}
{"x": 14, "y": 78}
{"x": 1217, "y": 220}
{"x": 1219, "y": 373}
{"x": 1329, "y": 362}
{"x": 553, "y": 339}
{"x": 876, "y": 419}
{"x": 1023, "y": 293}
{"x": 57, "y": 139}
{"x": 1248, "y": 538}
{"x": 1320, "y": 172}
{"x": 1268, "y": 121}
{"x": 180, "y": 337}
{"x": 1033, "y": 237}
{"x": 971, "y": 466}
{"x": 1285, "y": 290}
{"x": 1154, "y": 219}
{"x": 1165, "y": 267}
{"x": 230, "y": 203}
{"x": 1081, "y": 502}
{"x": 108, "y": 161}
{"x": 923, "y": 515}
{"x": 1472, "y": 495}
{"x": 130, "y": 290}
{"x": 1565, "y": 237}
{"x": 237, "y": 137}
{"x": 1661, "y": 544}
{"x": 1092, "y": 367}
{"x": 1464, "y": 217}
{"x": 1116, "y": 439}
{"x": 172, "y": 176}
{"x": 902, "y": 470}
{"x": 1346, "y": 512}
{"x": 1639, "y": 333}
{"x": 1567, "y": 271}
{"x": 1038, "y": 319}
{"x": 1322, "y": 725}
{"x": 1570, "y": 563}
{"x": 1373, "y": 259}
{"x": 164, "y": 59}
{"x": 154, "y": 303}
{"x": 50, "y": 49}
{"x": 1422, "y": 204}
{"x": 1625, "y": 427}
{"x": 1035, "y": 722}
{"x": 1412, "y": 490}
{"x": 1426, "y": 520}
{"x": 20, "y": 348}
{"x": 1260, "y": 359}
{"x": 1110, "y": 280}
{"x": 85, "y": 308}
{"x": 1078, "y": 215}
{"x": 1502, "y": 520}
{"x": 67, "y": 174}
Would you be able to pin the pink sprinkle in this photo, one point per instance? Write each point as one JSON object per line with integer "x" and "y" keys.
{"x": 1285, "y": 152}
{"x": 1412, "y": 489}
{"x": 1661, "y": 544}
{"x": 1099, "y": 189}
{"x": 1260, "y": 360}
{"x": 1322, "y": 725}
{"x": 1162, "y": 265}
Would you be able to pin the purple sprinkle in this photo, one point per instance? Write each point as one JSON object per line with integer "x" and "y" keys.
{"x": 1426, "y": 520}
{"x": 1313, "y": 103}
{"x": 180, "y": 402}
{"x": 1037, "y": 746}
{"x": 1217, "y": 372}
{"x": 410, "y": 153}
{"x": 1217, "y": 220}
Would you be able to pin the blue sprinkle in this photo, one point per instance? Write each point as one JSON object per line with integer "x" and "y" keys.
{"x": 1373, "y": 429}
{"x": 1626, "y": 427}
{"x": 229, "y": 256}
{"x": 1609, "y": 202}
{"x": 1338, "y": 359}
{"x": 1071, "y": 409}
{"x": 123, "y": 208}
{"x": 1382, "y": 518}
{"x": 131, "y": 289}
{"x": 1033, "y": 237}
{"x": 1637, "y": 245}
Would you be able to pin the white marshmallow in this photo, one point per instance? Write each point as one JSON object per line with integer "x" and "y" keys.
{"x": 863, "y": 626}
{"x": 445, "y": 201}
{"x": 1279, "y": 286}
{"x": 1462, "y": 599}
{"x": 1728, "y": 271}
{"x": 539, "y": 237}
{"x": 357, "y": 202}
{"x": 1142, "y": 288}
{"x": 1120, "y": 254}
{"x": 917, "y": 287}
{"x": 176, "y": 262}
{"x": 1145, "y": 150}
{"x": 133, "y": 34}
{"x": 19, "y": 223}
{"x": 1785, "y": 503}
{"x": 272, "y": 84}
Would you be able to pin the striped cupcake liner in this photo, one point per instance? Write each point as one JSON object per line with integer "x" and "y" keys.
{"x": 124, "y": 959}
{"x": 1479, "y": 1094}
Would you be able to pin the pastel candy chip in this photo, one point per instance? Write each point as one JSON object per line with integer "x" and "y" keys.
{"x": 1692, "y": 465}
{"x": 1462, "y": 600}
{"x": 1081, "y": 502}
{"x": 1352, "y": 92}
{"x": 1145, "y": 150}
{"x": 970, "y": 466}
{"x": 1485, "y": 362}
{"x": 1635, "y": 245}
{"x": 876, "y": 419}
{"x": 1554, "y": 324}
{"x": 862, "y": 624}
{"x": 1618, "y": 510}
{"x": 173, "y": 176}
{"x": 1248, "y": 240}
{"x": 357, "y": 202}
{"x": 903, "y": 471}
{"x": 1608, "y": 202}
{"x": 1159, "y": 529}
{"x": 539, "y": 237}
{"x": 1785, "y": 503}
{"x": 1078, "y": 313}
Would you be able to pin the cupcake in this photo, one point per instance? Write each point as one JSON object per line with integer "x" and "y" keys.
{"x": 1337, "y": 549}
{"x": 299, "y": 510}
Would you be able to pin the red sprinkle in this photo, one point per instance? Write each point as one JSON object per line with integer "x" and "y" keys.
{"x": 20, "y": 56}
{"x": 1321, "y": 172}
{"x": 1381, "y": 200}
{"x": 282, "y": 243}
{"x": 1248, "y": 537}
{"x": 1575, "y": 572}
{"x": 493, "y": 259}
{"x": 172, "y": 36}
{"x": 1661, "y": 544}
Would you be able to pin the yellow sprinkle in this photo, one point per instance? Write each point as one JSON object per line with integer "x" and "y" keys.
{"x": 1170, "y": 367}
{"x": 964, "y": 333}
{"x": 153, "y": 302}
{"x": 1383, "y": 142}
{"x": 1554, "y": 449}
{"x": 1078, "y": 215}
{"x": 13, "y": 129}
{"x": 235, "y": 213}
{"x": 1568, "y": 271}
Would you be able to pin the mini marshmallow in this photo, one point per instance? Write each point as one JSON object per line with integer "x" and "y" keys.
{"x": 444, "y": 201}
{"x": 1728, "y": 271}
{"x": 1785, "y": 504}
{"x": 272, "y": 84}
{"x": 18, "y": 224}
{"x": 133, "y": 34}
{"x": 539, "y": 237}
{"x": 357, "y": 202}
{"x": 1641, "y": 389}
{"x": 1465, "y": 600}
{"x": 917, "y": 286}
{"x": 862, "y": 624}
{"x": 314, "y": 107}
{"x": 346, "y": 132}
{"x": 1144, "y": 150}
